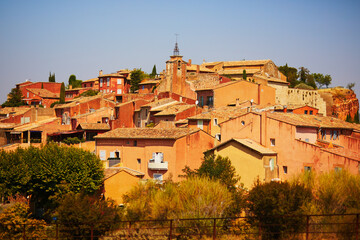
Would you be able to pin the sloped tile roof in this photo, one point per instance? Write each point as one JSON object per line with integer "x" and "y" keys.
{"x": 111, "y": 171}
{"x": 147, "y": 133}
{"x": 304, "y": 120}
{"x": 239, "y": 63}
{"x": 221, "y": 112}
{"x": 94, "y": 126}
{"x": 14, "y": 110}
{"x": 44, "y": 93}
{"x": 173, "y": 110}
{"x": 160, "y": 102}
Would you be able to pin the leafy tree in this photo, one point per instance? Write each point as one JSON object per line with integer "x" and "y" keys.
{"x": 350, "y": 86}
{"x": 303, "y": 86}
{"x": 322, "y": 80}
{"x": 311, "y": 82}
{"x": 89, "y": 93}
{"x": 356, "y": 117}
{"x": 62, "y": 93}
{"x": 102, "y": 215}
{"x": 268, "y": 201}
{"x": 137, "y": 75}
{"x": 54, "y": 103}
{"x": 49, "y": 172}
{"x": 13, "y": 219}
{"x": 51, "y": 77}
{"x": 303, "y": 74}
{"x": 15, "y": 99}
{"x": 290, "y": 73}
{"x": 153, "y": 73}
{"x": 73, "y": 82}
{"x": 244, "y": 74}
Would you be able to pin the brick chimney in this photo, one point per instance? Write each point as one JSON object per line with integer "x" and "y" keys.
{"x": 100, "y": 73}
{"x": 189, "y": 63}
{"x": 197, "y": 68}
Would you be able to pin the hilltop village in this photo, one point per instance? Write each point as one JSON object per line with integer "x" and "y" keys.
{"x": 267, "y": 129}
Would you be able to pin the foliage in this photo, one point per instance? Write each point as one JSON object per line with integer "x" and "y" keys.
{"x": 48, "y": 172}
{"x": 304, "y": 86}
{"x": 290, "y": 73}
{"x": 303, "y": 74}
{"x": 322, "y": 80}
{"x": 268, "y": 201}
{"x": 350, "y": 86}
{"x": 73, "y": 82}
{"x": 244, "y": 74}
{"x": 137, "y": 75}
{"x": 348, "y": 118}
{"x": 15, "y": 99}
{"x": 311, "y": 82}
{"x": 356, "y": 117}
{"x": 74, "y": 140}
{"x": 12, "y": 222}
{"x": 62, "y": 93}
{"x": 51, "y": 77}
{"x": 195, "y": 197}
{"x": 89, "y": 93}
{"x": 102, "y": 215}
{"x": 150, "y": 125}
{"x": 54, "y": 103}
{"x": 153, "y": 73}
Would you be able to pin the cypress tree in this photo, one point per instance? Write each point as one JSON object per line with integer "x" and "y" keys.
{"x": 348, "y": 118}
{"x": 244, "y": 74}
{"x": 62, "y": 93}
{"x": 153, "y": 73}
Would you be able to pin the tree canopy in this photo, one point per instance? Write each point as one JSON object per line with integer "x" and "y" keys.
{"x": 47, "y": 172}
{"x": 290, "y": 73}
{"x": 73, "y": 82}
{"x": 15, "y": 99}
{"x": 51, "y": 77}
{"x": 137, "y": 75}
{"x": 322, "y": 80}
{"x": 62, "y": 93}
{"x": 153, "y": 73}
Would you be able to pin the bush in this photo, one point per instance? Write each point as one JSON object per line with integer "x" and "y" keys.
{"x": 12, "y": 222}
{"x": 269, "y": 202}
{"x": 77, "y": 213}
{"x": 74, "y": 140}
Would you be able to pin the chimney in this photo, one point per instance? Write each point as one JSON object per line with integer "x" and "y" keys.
{"x": 70, "y": 87}
{"x": 197, "y": 68}
{"x": 100, "y": 73}
{"x": 189, "y": 62}
{"x": 237, "y": 102}
{"x": 285, "y": 108}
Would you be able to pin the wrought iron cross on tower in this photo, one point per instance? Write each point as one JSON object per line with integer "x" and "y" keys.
{"x": 176, "y": 49}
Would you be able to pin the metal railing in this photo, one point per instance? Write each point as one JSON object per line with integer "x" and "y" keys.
{"x": 323, "y": 226}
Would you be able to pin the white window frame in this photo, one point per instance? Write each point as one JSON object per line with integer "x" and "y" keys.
{"x": 200, "y": 124}
{"x": 101, "y": 82}
{"x": 119, "y": 91}
{"x": 108, "y": 82}
{"x": 158, "y": 176}
{"x": 102, "y": 154}
{"x": 119, "y": 81}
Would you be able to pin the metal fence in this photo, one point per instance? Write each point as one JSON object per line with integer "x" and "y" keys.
{"x": 329, "y": 226}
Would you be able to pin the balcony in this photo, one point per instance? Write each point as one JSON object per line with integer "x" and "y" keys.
{"x": 157, "y": 165}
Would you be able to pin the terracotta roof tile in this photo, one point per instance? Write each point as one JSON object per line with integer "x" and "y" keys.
{"x": 221, "y": 112}
{"x": 249, "y": 144}
{"x": 173, "y": 110}
{"x": 161, "y": 102}
{"x": 304, "y": 120}
{"x": 111, "y": 171}
{"x": 147, "y": 133}
{"x": 44, "y": 93}
{"x": 94, "y": 126}
{"x": 239, "y": 63}
{"x": 14, "y": 110}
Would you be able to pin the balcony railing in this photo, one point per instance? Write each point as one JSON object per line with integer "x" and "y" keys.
{"x": 157, "y": 165}
{"x": 113, "y": 161}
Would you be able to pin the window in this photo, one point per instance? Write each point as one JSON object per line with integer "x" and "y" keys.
{"x": 215, "y": 121}
{"x": 112, "y": 154}
{"x": 135, "y": 143}
{"x": 307, "y": 169}
{"x": 101, "y": 82}
{"x": 306, "y": 140}
{"x": 334, "y": 134}
{"x": 102, "y": 154}
{"x": 119, "y": 81}
{"x": 119, "y": 91}
{"x": 157, "y": 157}
{"x": 201, "y": 101}
{"x": 306, "y": 112}
{"x": 117, "y": 154}
{"x": 243, "y": 123}
{"x": 158, "y": 176}
{"x": 311, "y": 112}
{"x": 200, "y": 124}
{"x": 285, "y": 169}
{"x": 272, "y": 164}
{"x": 323, "y": 134}
{"x": 218, "y": 136}
{"x": 127, "y": 142}
{"x": 139, "y": 160}
{"x": 337, "y": 169}
{"x": 143, "y": 87}
{"x": 108, "y": 82}
{"x": 272, "y": 141}
{"x": 28, "y": 94}
{"x": 210, "y": 101}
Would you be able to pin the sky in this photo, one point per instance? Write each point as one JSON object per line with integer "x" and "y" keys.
{"x": 82, "y": 37}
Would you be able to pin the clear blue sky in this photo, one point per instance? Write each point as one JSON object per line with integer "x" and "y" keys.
{"x": 82, "y": 37}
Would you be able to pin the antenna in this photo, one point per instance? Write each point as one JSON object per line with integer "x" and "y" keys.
{"x": 176, "y": 49}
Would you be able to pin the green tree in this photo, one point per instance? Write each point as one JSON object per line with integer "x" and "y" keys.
{"x": 49, "y": 172}
{"x": 303, "y": 74}
{"x": 350, "y": 86}
{"x": 42, "y": 85}
{"x": 73, "y": 82}
{"x": 137, "y": 75}
{"x": 348, "y": 118}
{"x": 268, "y": 201}
{"x": 15, "y": 99}
{"x": 322, "y": 80}
{"x": 290, "y": 73}
{"x": 51, "y": 77}
{"x": 244, "y": 74}
{"x": 101, "y": 215}
{"x": 153, "y": 73}
{"x": 356, "y": 117}
{"x": 62, "y": 93}
{"x": 311, "y": 82}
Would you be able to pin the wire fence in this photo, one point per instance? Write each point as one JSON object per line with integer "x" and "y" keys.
{"x": 329, "y": 226}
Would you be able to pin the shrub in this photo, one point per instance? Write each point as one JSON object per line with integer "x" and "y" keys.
{"x": 269, "y": 202}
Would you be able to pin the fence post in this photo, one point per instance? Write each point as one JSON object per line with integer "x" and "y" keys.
{"x": 24, "y": 232}
{"x": 170, "y": 232}
{"x": 357, "y": 226}
{"x": 214, "y": 229}
{"x": 307, "y": 226}
{"x": 92, "y": 232}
